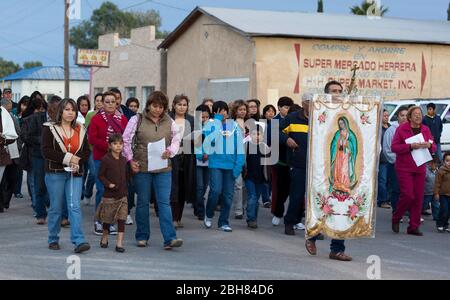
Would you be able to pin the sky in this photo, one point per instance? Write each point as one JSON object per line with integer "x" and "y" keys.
{"x": 33, "y": 29}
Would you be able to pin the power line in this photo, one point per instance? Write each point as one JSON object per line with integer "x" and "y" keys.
{"x": 13, "y": 44}
{"x": 155, "y": 2}
{"x": 29, "y": 51}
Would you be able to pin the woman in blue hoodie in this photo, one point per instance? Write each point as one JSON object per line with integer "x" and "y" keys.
{"x": 224, "y": 146}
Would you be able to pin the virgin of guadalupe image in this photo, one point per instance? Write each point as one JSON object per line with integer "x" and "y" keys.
{"x": 343, "y": 152}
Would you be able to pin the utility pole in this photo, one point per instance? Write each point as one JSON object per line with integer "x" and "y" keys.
{"x": 66, "y": 48}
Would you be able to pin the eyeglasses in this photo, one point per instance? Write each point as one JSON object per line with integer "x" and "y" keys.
{"x": 109, "y": 102}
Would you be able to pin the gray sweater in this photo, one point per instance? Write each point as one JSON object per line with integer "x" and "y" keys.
{"x": 429, "y": 181}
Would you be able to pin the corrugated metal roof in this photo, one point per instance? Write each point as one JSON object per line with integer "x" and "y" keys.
{"x": 49, "y": 73}
{"x": 321, "y": 25}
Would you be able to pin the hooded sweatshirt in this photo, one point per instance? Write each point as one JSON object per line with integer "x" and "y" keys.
{"x": 442, "y": 183}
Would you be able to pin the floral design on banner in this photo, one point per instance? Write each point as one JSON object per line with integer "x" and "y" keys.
{"x": 323, "y": 117}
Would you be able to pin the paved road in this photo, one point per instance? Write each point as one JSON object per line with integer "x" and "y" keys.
{"x": 265, "y": 253}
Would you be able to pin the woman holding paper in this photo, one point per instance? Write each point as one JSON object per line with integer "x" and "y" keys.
{"x": 411, "y": 177}
{"x": 151, "y": 163}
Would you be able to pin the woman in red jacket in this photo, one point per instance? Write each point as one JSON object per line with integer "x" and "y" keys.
{"x": 411, "y": 177}
{"x": 107, "y": 121}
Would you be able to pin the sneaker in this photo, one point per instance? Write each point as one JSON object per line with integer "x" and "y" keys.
{"x": 226, "y": 228}
{"x": 276, "y": 221}
{"x": 82, "y": 248}
{"x": 239, "y": 217}
{"x": 422, "y": 220}
{"x": 41, "y": 221}
{"x": 112, "y": 230}
{"x": 384, "y": 205}
{"x": 98, "y": 228}
{"x": 299, "y": 226}
{"x": 207, "y": 222}
{"x": 129, "y": 220}
{"x": 447, "y": 229}
{"x": 174, "y": 244}
{"x": 252, "y": 224}
{"x": 19, "y": 196}
{"x": 426, "y": 213}
{"x": 289, "y": 230}
{"x": 267, "y": 204}
{"x": 440, "y": 229}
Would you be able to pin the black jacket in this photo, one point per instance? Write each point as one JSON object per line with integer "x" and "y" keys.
{"x": 435, "y": 125}
{"x": 295, "y": 126}
{"x": 31, "y": 132}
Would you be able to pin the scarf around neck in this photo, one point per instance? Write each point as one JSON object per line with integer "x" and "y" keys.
{"x": 114, "y": 122}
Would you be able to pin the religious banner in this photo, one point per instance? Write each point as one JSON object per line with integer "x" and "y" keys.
{"x": 343, "y": 166}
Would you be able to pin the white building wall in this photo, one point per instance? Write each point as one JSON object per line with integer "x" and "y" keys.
{"x": 21, "y": 88}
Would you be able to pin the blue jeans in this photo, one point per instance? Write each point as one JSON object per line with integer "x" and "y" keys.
{"x": 254, "y": 192}
{"x": 98, "y": 184}
{"x": 162, "y": 183}
{"x": 427, "y": 199}
{"x": 395, "y": 188}
{"x": 41, "y": 199}
{"x": 202, "y": 185}
{"x": 30, "y": 185}
{"x": 336, "y": 246}
{"x": 59, "y": 186}
{"x": 382, "y": 183}
{"x": 265, "y": 193}
{"x": 444, "y": 213}
{"x": 221, "y": 183}
{"x": 439, "y": 151}
{"x": 89, "y": 178}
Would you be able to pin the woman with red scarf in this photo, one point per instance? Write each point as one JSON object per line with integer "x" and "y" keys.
{"x": 107, "y": 121}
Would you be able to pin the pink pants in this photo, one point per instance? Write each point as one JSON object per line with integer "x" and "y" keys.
{"x": 412, "y": 187}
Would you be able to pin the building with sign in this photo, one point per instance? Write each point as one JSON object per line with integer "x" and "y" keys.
{"x": 235, "y": 53}
{"x": 47, "y": 80}
{"x": 135, "y": 64}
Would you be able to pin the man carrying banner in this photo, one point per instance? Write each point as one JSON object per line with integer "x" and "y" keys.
{"x": 337, "y": 247}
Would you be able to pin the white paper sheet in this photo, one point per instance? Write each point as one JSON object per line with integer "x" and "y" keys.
{"x": 420, "y": 156}
{"x": 154, "y": 153}
{"x": 13, "y": 150}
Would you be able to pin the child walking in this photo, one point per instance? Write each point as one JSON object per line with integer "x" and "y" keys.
{"x": 432, "y": 168}
{"x": 114, "y": 176}
{"x": 255, "y": 172}
{"x": 442, "y": 194}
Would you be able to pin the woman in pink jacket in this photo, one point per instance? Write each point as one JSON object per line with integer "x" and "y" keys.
{"x": 411, "y": 177}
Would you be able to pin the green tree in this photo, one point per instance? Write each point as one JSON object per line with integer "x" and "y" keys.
{"x": 31, "y": 64}
{"x": 109, "y": 19}
{"x": 320, "y": 6}
{"x": 367, "y": 9}
{"x": 7, "y": 67}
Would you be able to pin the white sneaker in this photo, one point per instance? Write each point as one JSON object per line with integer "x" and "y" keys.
{"x": 98, "y": 228}
{"x": 299, "y": 226}
{"x": 226, "y": 228}
{"x": 129, "y": 220}
{"x": 208, "y": 222}
{"x": 422, "y": 220}
{"x": 112, "y": 230}
{"x": 276, "y": 221}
